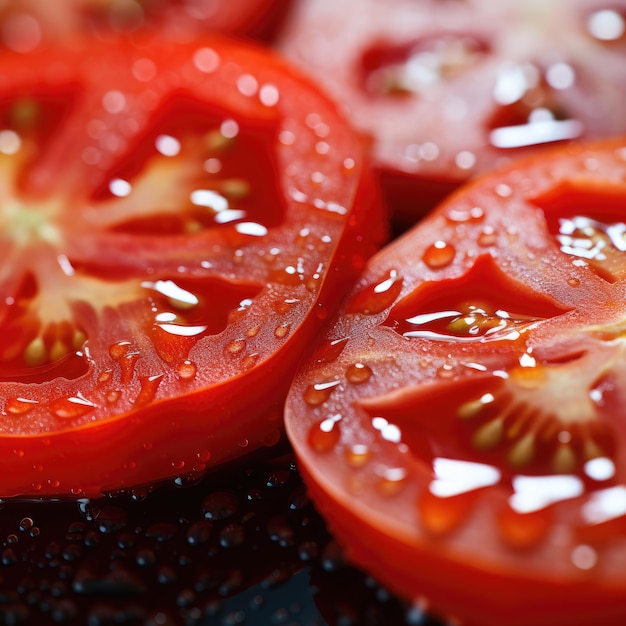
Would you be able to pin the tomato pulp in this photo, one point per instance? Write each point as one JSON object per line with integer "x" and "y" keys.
{"x": 461, "y": 425}
{"x": 450, "y": 89}
{"x": 176, "y": 222}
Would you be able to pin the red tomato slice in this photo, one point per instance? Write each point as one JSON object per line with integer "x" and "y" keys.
{"x": 28, "y": 24}
{"x": 448, "y": 89}
{"x": 461, "y": 425}
{"x": 176, "y": 222}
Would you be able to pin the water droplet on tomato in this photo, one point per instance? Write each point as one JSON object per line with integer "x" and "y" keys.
{"x": 72, "y": 407}
{"x": 318, "y": 393}
{"x": 26, "y": 523}
{"x": 439, "y": 255}
{"x": 280, "y": 332}
{"x": 236, "y": 346}
{"x": 148, "y": 389}
{"x": 325, "y": 435}
{"x": 358, "y": 455}
{"x": 187, "y": 370}
{"x": 358, "y": 373}
{"x": 377, "y": 297}
{"x": 465, "y": 214}
{"x": 524, "y": 530}
{"x": 442, "y": 516}
{"x": 19, "y": 406}
{"x": 487, "y": 237}
{"x": 391, "y": 481}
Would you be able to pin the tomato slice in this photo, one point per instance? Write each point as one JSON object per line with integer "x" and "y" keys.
{"x": 28, "y": 24}
{"x": 177, "y": 220}
{"x": 461, "y": 424}
{"x": 449, "y": 89}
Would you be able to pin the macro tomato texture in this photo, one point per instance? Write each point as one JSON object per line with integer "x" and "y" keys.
{"x": 461, "y": 424}
{"x": 449, "y": 89}
{"x": 176, "y": 221}
{"x": 29, "y": 24}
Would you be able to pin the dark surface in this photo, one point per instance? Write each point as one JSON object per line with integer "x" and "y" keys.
{"x": 244, "y": 547}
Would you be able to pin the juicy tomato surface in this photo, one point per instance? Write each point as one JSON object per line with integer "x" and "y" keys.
{"x": 448, "y": 89}
{"x": 461, "y": 424}
{"x": 29, "y": 24}
{"x": 176, "y": 221}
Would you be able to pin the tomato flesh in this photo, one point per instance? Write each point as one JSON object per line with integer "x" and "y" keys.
{"x": 450, "y": 89}
{"x": 26, "y": 25}
{"x": 171, "y": 240}
{"x": 461, "y": 423}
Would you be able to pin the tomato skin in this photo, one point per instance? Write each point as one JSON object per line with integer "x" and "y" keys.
{"x": 451, "y": 421}
{"x": 448, "y": 90}
{"x": 132, "y": 353}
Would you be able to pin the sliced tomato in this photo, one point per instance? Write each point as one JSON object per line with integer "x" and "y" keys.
{"x": 177, "y": 220}
{"x": 461, "y": 425}
{"x": 448, "y": 89}
{"x": 29, "y": 24}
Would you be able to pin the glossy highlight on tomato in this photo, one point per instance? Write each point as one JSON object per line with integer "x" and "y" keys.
{"x": 461, "y": 425}
{"x": 176, "y": 221}
{"x": 447, "y": 89}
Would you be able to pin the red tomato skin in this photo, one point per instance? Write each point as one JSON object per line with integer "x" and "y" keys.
{"x": 471, "y": 557}
{"x": 194, "y": 426}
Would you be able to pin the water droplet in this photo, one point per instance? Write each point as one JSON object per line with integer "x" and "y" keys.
{"x": 325, "y": 435}
{"x": 149, "y": 386}
{"x": 487, "y": 237}
{"x": 391, "y": 481}
{"x": 465, "y": 214}
{"x": 19, "y": 406}
{"x": 281, "y": 331}
{"x": 72, "y": 406}
{"x": 439, "y": 255}
{"x": 236, "y": 346}
{"x": 441, "y": 516}
{"x": 378, "y": 297}
{"x": 220, "y": 505}
{"x": 187, "y": 370}
{"x": 318, "y": 393}
{"x": 358, "y": 455}
{"x": 524, "y": 530}
{"x": 26, "y": 523}
{"x": 358, "y": 373}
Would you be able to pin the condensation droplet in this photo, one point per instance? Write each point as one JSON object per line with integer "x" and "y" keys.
{"x": 19, "y": 406}
{"x": 465, "y": 214}
{"x": 187, "y": 370}
{"x": 72, "y": 406}
{"x": 236, "y": 346}
{"x": 281, "y": 331}
{"x": 391, "y": 481}
{"x": 487, "y": 236}
{"x": 148, "y": 389}
{"x": 524, "y": 530}
{"x": 358, "y": 373}
{"x": 318, "y": 393}
{"x": 358, "y": 455}
{"x": 439, "y": 255}
{"x": 325, "y": 435}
